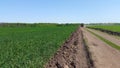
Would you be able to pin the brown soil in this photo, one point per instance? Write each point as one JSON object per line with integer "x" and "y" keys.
{"x": 103, "y": 55}
{"x": 73, "y": 54}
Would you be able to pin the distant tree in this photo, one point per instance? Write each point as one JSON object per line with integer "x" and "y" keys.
{"x": 82, "y": 24}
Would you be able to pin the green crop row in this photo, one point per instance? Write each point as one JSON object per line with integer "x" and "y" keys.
{"x": 31, "y": 47}
{"x": 115, "y": 28}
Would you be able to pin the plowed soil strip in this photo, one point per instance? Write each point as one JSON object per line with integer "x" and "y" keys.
{"x": 73, "y": 54}
{"x": 103, "y": 55}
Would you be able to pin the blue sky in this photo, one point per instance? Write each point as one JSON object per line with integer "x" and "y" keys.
{"x": 61, "y": 11}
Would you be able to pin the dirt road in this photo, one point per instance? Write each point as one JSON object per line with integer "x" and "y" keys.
{"x": 91, "y": 53}
{"x": 103, "y": 55}
{"x": 111, "y": 38}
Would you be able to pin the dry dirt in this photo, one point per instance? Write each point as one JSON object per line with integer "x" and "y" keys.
{"x": 103, "y": 55}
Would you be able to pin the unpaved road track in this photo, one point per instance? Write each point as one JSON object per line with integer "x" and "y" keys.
{"x": 111, "y": 38}
{"x": 103, "y": 55}
{"x": 76, "y": 54}
{"x": 72, "y": 54}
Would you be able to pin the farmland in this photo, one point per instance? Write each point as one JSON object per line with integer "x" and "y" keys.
{"x": 115, "y": 28}
{"x": 88, "y": 48}
{"x": 31, "y": 46}
{"x": 57, "y": 46}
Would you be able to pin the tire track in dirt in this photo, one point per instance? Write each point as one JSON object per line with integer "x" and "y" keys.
{"x": 73, "y": 54}
{"x": 103, "y": 55}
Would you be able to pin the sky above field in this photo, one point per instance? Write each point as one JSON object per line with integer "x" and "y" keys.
{"x": 61, "y": 11}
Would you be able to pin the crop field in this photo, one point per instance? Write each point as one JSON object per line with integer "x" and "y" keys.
{"x": 59, "y": 46}
{"x": 115, "y": 28}
{"x": 31, "y": 46}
